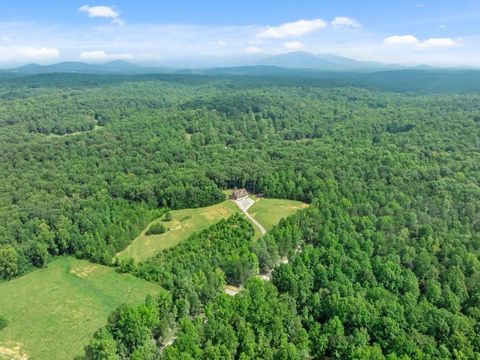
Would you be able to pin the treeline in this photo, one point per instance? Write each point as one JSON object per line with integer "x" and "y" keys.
{"x": 350, "y": 290}
{"x": 195, "y": 313}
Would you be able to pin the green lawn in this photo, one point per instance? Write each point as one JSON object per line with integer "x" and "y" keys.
{"x": 268, "y": 212}
{"x": 185, "y": 222}
{"x": 53, "y": 312}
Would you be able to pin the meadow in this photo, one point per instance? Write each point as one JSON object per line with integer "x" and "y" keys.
{"x": 53, "y": 312}
{"x": 269, "y": 212}
{"x": 185, "y": 222}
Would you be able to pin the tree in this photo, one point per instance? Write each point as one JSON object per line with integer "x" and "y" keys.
{"x": 102, "y": 347}
{"x": 168, "y": 216}
{"x": 8, "y": 262}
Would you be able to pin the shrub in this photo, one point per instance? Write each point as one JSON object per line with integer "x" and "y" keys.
{"x": 3, "y": 322}
{"x": 156, "y": 229}
{"x": 168, "y": 216}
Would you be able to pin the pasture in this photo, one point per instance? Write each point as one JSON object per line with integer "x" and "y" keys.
{"x": 53, "y": 312}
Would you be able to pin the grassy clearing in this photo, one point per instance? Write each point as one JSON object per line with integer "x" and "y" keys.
{"x": 53, "y": 312}
{"x": 183, "y": 224}
{"x": 269, "y": 212}
{"x": 188, "y": 221}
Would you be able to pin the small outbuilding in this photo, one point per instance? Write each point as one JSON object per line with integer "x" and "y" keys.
{"x": 239, "y": 194}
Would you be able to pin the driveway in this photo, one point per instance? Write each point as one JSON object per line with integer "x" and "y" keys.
{"x": 244, "y": 205}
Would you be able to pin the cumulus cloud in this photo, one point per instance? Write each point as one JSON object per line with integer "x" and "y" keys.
{"x": 33, "y": 53}
{"x": 99, "y": 55}
{"x": 433, "y": 43}
{"x": 293, "y": 29}
{"x": 12, "y": 54}
{"x": 293, "y": 45}
{"x": 401, "y": 40}
{"x": 343, "y": 21}
{"x": 253, "y": 50}
{"x": 102, "y": 11}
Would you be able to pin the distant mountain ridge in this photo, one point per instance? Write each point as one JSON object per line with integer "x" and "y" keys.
{"x": 292, "y": 60}
{"x": 112, "y": 67}
{"x": 325, "y": 62}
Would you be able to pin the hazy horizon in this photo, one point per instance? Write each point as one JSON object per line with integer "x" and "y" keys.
{"x": 227, "y": 62}
{"x": 437, "y": 33}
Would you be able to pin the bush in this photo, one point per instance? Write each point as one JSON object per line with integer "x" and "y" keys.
{"x": 168, "y": 216}
{"x": 8, "y": 262}
{"x": 126, "y": 266}
{"x": 3, "y": 322}
{"x": 156, "y": 229}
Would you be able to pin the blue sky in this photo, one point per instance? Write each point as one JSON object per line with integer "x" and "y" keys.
{"x": 440, "y": 32}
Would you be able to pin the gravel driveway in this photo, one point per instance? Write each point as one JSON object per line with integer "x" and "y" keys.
{"x": 244, "y": 205}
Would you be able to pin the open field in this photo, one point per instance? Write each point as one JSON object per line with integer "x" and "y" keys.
{"x": 268, "y": 212}
{"x": 53, "y": 312}
{"x": 184, "y": 223}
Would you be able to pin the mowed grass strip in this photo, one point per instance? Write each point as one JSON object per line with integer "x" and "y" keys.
{"x": 53, "y": 312}
{"x": 184, "y": 223}
{"x": 269, "y": 212}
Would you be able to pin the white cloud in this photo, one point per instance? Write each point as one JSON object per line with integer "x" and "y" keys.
{"x": 94, "y": 55}
{"x": 343, "y": 21}
{"x": 102, "y": 11}
{"x": 439, "y": 43}
{"x": 293, "y": 29}
{"x": 253, "y": 50}
{"x": 293, "y": 45}
{"x": 33, "y": 53}
{"x": 99, "y": 55}
{"x": 410, "y": 40}
{"x": 401, "y": 40}
{"x": 181, "y": 45}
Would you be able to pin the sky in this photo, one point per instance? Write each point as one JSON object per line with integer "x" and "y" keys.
{"x": 216, "y": 32}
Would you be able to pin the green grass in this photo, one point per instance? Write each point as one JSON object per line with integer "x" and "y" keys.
{"x": 185, "y": 222}
{"x": 269, "y": 212}
{"x": 53, "y": 312}
{"x": 188, "y": 221}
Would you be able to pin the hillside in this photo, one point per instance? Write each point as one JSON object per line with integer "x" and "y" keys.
{"x": 53, "y": 312}
{"x": 185, "y": 222}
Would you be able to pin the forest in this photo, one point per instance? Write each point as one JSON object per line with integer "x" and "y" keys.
{"x": 383, "y": 264}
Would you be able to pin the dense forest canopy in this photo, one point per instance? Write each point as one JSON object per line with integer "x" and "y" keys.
{"x": 385, "y": 263}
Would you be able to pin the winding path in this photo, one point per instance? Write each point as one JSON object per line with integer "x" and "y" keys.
{"x": 244, "y": 205}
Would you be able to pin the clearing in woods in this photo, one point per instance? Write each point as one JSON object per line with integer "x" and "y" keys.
{"x": 269, "y": 212}
{"x": 53, "y": 312}
{"x": 184, "y": 223}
